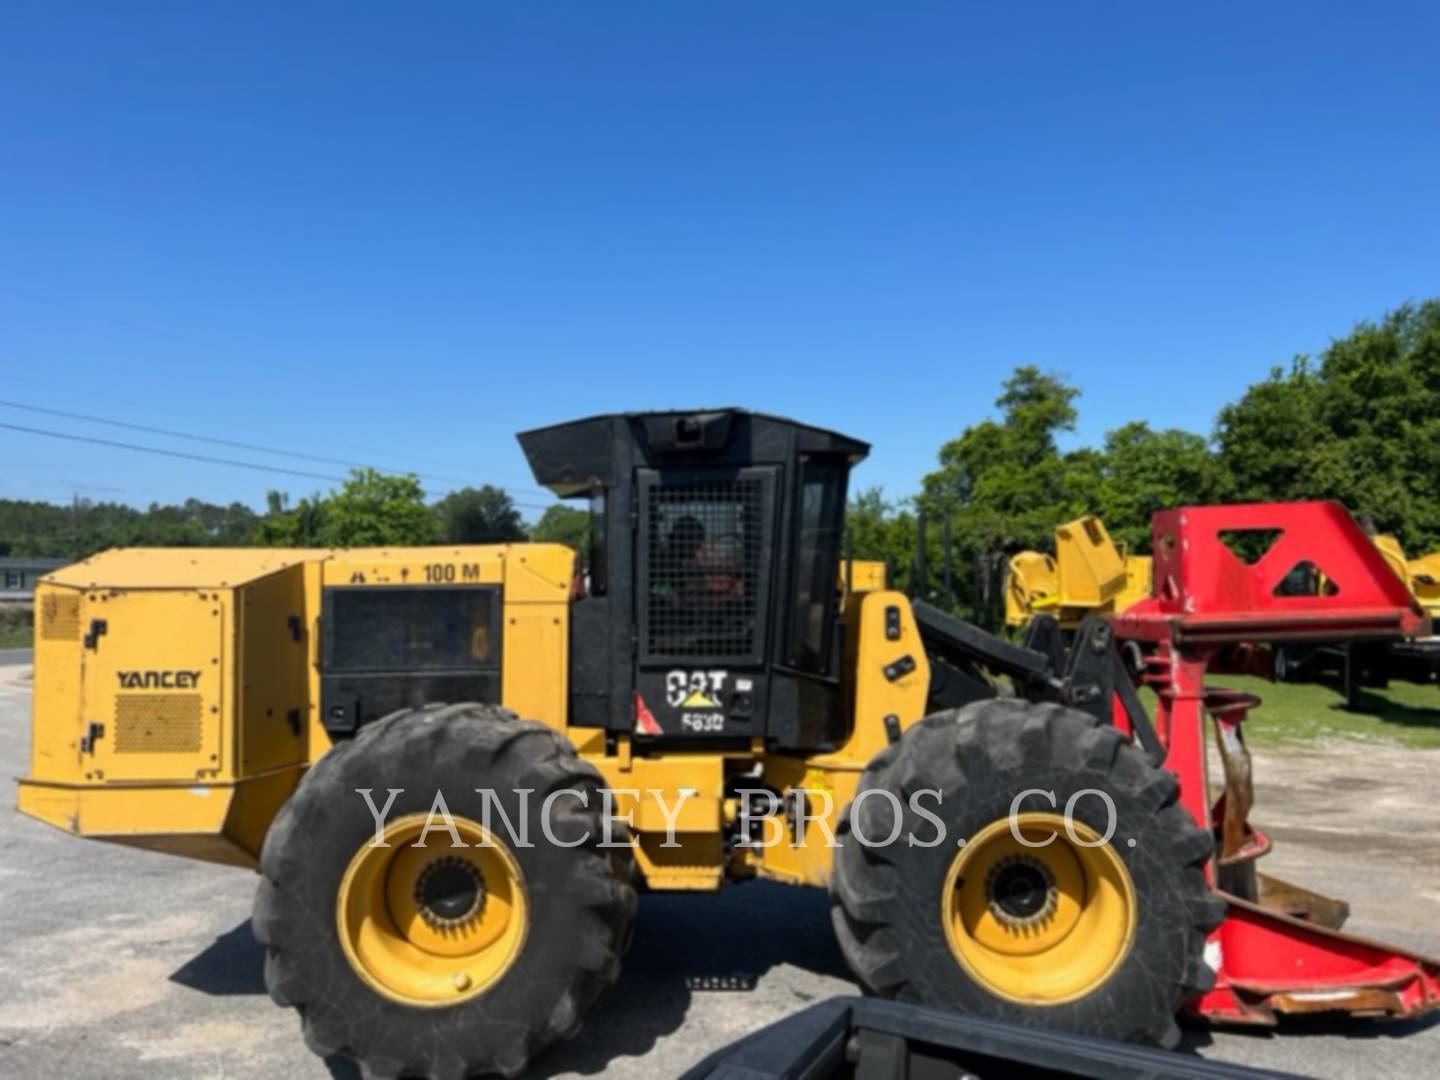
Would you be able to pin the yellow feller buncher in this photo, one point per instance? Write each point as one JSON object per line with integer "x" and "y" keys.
{"x": 1089, "y": 574}
{"x": 1422, "y": 575}
{"x": 455, "y": 767}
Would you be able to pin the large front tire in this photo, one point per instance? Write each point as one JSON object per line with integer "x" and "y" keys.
{"x": 1103, "y": 939}
{"x": 431, "y": 959}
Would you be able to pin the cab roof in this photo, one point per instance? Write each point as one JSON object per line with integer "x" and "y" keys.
{"x": 580, "y": 455}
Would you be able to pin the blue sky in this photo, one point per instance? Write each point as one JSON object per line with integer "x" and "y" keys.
{"x": 399, "y": 233}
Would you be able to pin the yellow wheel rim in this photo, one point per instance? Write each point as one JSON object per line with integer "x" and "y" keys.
{"x": 1038, "y": 925}
{"x": 436, "y": 924}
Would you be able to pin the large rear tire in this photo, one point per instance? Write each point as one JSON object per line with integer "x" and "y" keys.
{"x": 1098, "y": 938}
{"x": 431, "y": 959}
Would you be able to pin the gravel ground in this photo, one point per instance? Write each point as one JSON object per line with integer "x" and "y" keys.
{"x": 123, "y": 963}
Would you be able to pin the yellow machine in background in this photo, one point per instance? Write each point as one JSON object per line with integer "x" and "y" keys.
{"x": 1425, "y": 583}
{"x": 1422, "y": 575}
{"x": 1089, "y": 574}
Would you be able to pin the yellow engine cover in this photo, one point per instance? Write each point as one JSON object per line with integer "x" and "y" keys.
{"x": 177, "y": 690}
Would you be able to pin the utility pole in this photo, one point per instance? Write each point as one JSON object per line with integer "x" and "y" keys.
{"x": 918, "y": 576}
{"x": 949, "y": 579}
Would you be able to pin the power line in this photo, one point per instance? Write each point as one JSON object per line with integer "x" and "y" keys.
{"x": 182, "y": 435}
{"x": 172, "y": 453}
{"x": 232, "y": 443}
{"x": 205, "y": 458}
{"x": 162, "y": 332}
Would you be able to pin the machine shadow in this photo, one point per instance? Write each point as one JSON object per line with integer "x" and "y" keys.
{"x": 740, "y": 932}
{"x": 234, "y": 963}
{"x": 1372, "y": 704}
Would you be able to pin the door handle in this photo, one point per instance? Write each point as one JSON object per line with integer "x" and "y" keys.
{"x": 98, "y": 629}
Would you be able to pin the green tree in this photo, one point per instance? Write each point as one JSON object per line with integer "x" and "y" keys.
{"x": 371, "y": 509}
{"x": 883, "y": 531}
{"x": 483, "y": 515}
{"x": 1004, "y": 484}
{"x": 1361, "y": 426}
{"x": 1268, "y": 437}
{"x": 82, "y": 527}
{"x": 562, "y": 524}
{"x": 284, "y": 526}
{"x": 1143, "y": 470}
{"x": 1007, "y": 464}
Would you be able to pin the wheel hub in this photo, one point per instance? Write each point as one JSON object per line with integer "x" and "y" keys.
{"x": 449, "y": 892}
{"x": 1037, "y": 909}
{"x": 430, "y": 926}
{"x": 1021, "y": 891}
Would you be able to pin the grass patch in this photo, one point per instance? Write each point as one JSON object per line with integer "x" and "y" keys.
{"x": 17, "y": 629}
{"x": 1292, "y": 713}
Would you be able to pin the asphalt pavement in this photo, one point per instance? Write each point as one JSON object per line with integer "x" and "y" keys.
{"x": 122, "y": 964}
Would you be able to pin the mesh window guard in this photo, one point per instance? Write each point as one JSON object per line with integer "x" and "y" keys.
{"x": 705, "y": 544}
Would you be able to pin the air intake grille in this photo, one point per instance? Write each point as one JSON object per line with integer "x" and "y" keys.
{"x": 704, "y": 544}
{"x": 60, "y": 616}
{"x": 157, "y": 724}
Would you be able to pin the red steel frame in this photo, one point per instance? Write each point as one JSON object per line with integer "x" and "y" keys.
{"x": 1205, "y": 602}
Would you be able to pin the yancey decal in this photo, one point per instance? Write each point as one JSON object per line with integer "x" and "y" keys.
{"x": 158, "y": 680}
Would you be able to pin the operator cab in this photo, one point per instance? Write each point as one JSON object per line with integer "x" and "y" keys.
{"x": 715, "y": 547}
